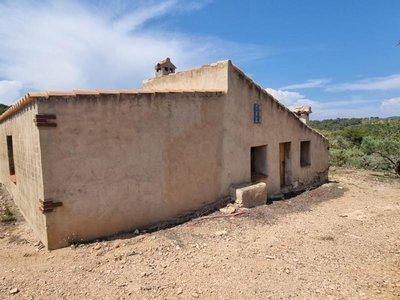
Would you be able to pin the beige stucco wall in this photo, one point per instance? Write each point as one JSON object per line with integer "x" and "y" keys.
{"x": 278, "y": 126}
{"x": 28, "y": 189}
{"x": 123, "y": 161}
{"x": 120, "y": 162}
{"x": 240, "y": 133}
{"x": 213, "y": 76}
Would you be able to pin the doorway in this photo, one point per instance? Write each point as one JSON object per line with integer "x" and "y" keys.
{"x": 285, "y": 164}
{"x": 258, "y": 163}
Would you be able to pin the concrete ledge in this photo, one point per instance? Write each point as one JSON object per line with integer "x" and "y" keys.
{"x": 250, "y": 195}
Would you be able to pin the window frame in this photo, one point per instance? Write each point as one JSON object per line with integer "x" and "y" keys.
{"x": 257, "y": 113}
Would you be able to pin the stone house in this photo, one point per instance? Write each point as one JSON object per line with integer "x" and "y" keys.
{"x": 87, "y": 164}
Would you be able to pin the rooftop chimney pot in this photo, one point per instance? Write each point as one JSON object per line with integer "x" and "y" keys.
{"x": 164, "y": 67}
{"x": 303, "y": 112}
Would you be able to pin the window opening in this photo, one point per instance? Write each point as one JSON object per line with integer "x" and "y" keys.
{"x": 10, "y": 151}
{"x": 257, "y": 111}
{"x": 305, "y": 157}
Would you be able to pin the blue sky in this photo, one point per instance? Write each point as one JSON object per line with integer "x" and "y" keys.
{"x": 341, "y": 57}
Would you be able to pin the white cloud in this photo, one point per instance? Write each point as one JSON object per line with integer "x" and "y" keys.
{"x": 311, "y": 83}
{"x": 64, "y": 45}
{"x": 349, "y": 102}
{"x": 391, "y": 82}
{"x": 140, "y": 16}
{"x": 9, "y": 91}
{"x": 352, "y": 108}
{"x": 348, "y": 112}
{"x": 393, "y": 103}
{"x": 355, "y": 106}
{"x": 291, "y": 99}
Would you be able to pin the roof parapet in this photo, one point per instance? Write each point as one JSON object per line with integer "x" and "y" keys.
{"x": 32, "y": 96}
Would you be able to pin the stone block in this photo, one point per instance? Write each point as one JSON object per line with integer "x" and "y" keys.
{"x": 250, "y": 195}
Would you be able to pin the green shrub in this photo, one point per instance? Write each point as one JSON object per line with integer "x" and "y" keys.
{"x": 7, "y": 215}
{"x": 369, "y": 143}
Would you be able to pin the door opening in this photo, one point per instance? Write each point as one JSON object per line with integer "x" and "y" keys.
{"x": 285, "y": 164}
{"x": 258, "y": 163}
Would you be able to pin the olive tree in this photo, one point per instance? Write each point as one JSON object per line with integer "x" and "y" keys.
{"x": 387, "y": 148}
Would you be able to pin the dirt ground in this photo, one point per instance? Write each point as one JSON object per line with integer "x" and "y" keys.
{"x": 339, "y": 241}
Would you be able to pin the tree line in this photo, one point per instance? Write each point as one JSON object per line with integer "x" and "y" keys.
{"x": 371, "y": 143}
{"x": 3, "y": 108}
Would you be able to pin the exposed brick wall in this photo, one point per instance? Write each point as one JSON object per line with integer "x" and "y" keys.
{"x": 28, "y": 188}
